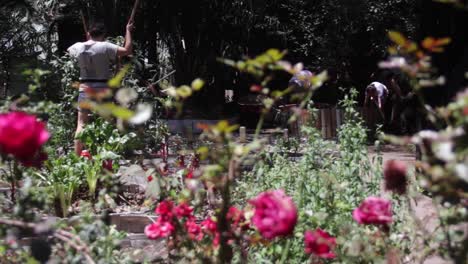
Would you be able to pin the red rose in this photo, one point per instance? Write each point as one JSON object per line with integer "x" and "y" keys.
{"x": 22, "y": 136}
{"x": 150, "y": 178}
{"x": 183, "y": 210}
{"x": 237, "y": 218}
{"x": 107, "y": 165}
{"x": 164, "y": 210}
{"x": 374, "y": 211}
{"x": 395, "y": 176}
{"x": 235, "y": 215}
{"x": 256, "y": 88}
{"x": 319, "y": 243}
{"x": 275, "y": 214}
{"x": 193, "y": 230}
{"x": 189, "y": 174}
{"x": 159, "y": 229}
{"x": 211, "y": 227}
{"x": 86, "y": 154}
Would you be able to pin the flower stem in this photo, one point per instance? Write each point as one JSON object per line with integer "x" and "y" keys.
{"x": 285, "y": 252}
{"x": 259, "y": 126}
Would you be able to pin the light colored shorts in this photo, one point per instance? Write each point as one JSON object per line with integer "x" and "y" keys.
{"x": 96, "y": 86}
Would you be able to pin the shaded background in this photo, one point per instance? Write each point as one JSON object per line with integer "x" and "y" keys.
{"x": 347, "y": 38}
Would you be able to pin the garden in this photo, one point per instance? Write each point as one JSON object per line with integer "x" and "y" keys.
{"x": 174, "y": 171}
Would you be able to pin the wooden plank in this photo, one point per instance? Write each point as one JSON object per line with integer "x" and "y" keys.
{"x": 323, "y": 121}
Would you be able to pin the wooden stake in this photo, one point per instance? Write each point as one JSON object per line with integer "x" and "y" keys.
{"x": 134, "y": 10}
{"x": 131, "y": 19}
{"x": 85, "y": 26}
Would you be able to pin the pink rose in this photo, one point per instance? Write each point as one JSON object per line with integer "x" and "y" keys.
{"x": 319, "y": 243}
{"x": 164, "y": 210}
{"x": 374, "y": 211}
{"x": 183, "y": 210}
{"x": 275, "y": 214}
{"x": 211, "y": 227}
{"x": 395, "y": 176}
{"x": 22, "y": 136}
{"x": 194, "y": 231}
{"x": 159, "y": 229}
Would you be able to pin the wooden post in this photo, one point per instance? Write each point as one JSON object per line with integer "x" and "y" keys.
{"x": 332, "y": 122}
{"x": 323, "y": 116}
{"x": 339, "y": 119}
{"x": 242, "y": 135}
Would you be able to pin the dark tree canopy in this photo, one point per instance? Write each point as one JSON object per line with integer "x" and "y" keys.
{"x": 347, "y": 38}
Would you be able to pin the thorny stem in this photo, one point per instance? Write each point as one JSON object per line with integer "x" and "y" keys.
{"x": 15, "y": 175}
{"x": 71, "y": 239}
{"x": 259, "y": 126}
{"x": 225, "y": 252}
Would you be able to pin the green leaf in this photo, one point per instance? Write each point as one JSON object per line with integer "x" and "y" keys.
{"x": 117, "y": 80}
{"x": 197, "y": 84}
{"x": 275, "y": 54}
{"x": 108, "y": 109}
{"x": 397, "y": 37}
{"x": 184, "y": 91}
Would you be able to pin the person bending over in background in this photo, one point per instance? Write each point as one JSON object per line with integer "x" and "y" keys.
{"x": 94, "y": 60}
{"x": 377, "y": 93}
{"x": 395, "y": 102}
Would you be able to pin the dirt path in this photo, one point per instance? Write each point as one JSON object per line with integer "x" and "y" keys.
{"x": 421, "y": 205}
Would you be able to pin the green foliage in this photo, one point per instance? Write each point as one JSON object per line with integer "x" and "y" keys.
{"x": 327, "y": 183}
{"x": 103, "y": 242}
{"x": 62, "y": 176}
{"x": 101, "y": 135}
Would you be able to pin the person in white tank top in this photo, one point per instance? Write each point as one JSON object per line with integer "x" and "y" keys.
{"x": 95, "y": 57}
{"x": 376, "y": 92}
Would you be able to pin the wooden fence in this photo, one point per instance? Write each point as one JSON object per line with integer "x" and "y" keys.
{"x": 328, "y": 120}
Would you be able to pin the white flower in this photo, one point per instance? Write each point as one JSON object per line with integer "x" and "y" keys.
{"x": 394, "y": 62}
{"x": 462, "y": 171}
{"x": 444, "y": 151}
{"x": 425, "y": 135}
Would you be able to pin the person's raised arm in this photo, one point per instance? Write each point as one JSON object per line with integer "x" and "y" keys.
{"x": 127, "y": 48}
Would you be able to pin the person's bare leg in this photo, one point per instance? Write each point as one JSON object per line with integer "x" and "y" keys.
{"x": 83, "y": 118}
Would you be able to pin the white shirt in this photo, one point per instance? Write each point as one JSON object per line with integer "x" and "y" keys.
{"x": 381, "y": 89}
